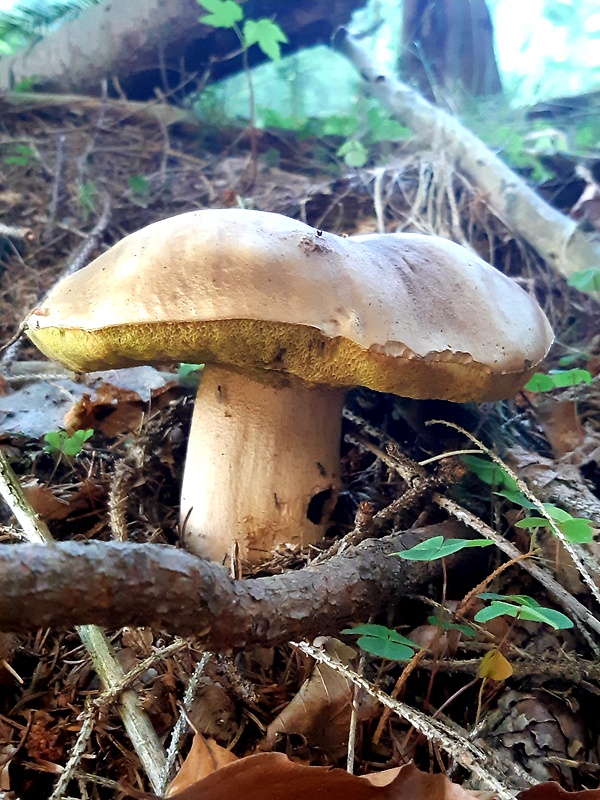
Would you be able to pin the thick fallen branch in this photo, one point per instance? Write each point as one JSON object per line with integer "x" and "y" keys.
{"x": 115, "y": 584}
{"x": 557, "y": 238}
{"x": 149, "y": 42}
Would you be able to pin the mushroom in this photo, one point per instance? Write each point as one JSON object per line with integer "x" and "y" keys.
{"x": 286, "y": 318}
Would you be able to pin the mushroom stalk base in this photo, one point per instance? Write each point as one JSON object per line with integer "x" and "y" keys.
{"x": 262, "y": 467}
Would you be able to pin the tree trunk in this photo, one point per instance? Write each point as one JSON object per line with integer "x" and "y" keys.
{"x": 448, "y": 45}
{"x": 158, "y": 43}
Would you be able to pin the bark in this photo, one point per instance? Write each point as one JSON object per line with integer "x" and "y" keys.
{"x": 142, "y": 42}
{"x": 445, "y": 43}
{"x": 115, "y": 584}
{"x": 557, "y": 239}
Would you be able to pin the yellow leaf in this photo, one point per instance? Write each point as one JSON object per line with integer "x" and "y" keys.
{"x": 495, "y": 666}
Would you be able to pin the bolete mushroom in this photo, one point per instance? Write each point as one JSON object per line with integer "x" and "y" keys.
{"x": 286, "y": 318}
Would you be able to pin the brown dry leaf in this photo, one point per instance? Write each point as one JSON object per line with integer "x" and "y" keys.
{"x": 588, "y": 206}
{"x": 45, "y": 504}
{"x": 553, "y": 791}
{"x": 114, "y": 411}
{"x": 204, "y": 758}
{"x": 561, "y": 423}
{"x": 50, "y": 507}
{"x": 557, "y": 558}
{"x": 495, "y": 666}
{"x": 321, "y": 710}
{"x": 272, "y": 776}
{"x": 543, "y": 733}
{"x": 213, "y": 711}
{"x": 7, "y": 751}
{"x": 139, "y": 640}
{"x": 441, "y": 644}
{"x": 81, "y": 416}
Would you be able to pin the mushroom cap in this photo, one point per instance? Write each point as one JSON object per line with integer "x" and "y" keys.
{"x": 415, "y": 315}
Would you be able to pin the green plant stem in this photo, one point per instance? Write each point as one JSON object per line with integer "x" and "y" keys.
{"x": 143, "y": 736}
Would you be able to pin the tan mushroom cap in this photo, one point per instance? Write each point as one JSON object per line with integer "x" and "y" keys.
{"x": 415, "y": 315}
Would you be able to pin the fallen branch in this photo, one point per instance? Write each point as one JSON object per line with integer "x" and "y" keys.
{"x": 145, "y": 44}
{"x": 557, "y": 238}
{"x": 115, "y": 584}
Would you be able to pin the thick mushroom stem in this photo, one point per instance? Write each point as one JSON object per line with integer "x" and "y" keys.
{"x": 262, "y": 466}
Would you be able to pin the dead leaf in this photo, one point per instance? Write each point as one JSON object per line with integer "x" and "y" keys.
{"x": 588, "y": 206}
{"x": 561, "y": 423}
{"x": 138, "y": 639}
{"x": 7, "y": 751}
{"x": 553, "y": 791}
{"x": 541, "y": 732}
{"x": 321, "y": 709}
{"x": 114, "y": 411}
{"x": 204, "y": 758}
{"x": 440, "y": 643}
{"x": 272, "y": 776}
{"x": 50, "y": 507}
{"x": 495, "y": 666}
{"x": 213, "y": 711}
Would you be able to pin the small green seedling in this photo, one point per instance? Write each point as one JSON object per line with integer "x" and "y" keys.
{"x": 263, "y": 32}
{"x": 558, "y": 379}
{"x": 354, "y": 153}
{"x": 139, "y": 186}
{"x": 60, "y": 443}
{"x": 438, "y": 547}
{"x": 490, "y": 473}
{"x": 586, "y": 280}
{"x": 574, "y": 529}
{"x": 188, "y": 375}
{"x": 266, "y": 34}
{"x": 87, "y": 194}
{"x": 383, "y": 642}
{"x": 520, "y": 606}
{"x": 573, "y": 358}
{"x": 222, "y": 13}
{"x": 20, "y": 154}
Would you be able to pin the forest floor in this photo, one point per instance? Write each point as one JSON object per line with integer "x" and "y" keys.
{"x": 77, "y": 177}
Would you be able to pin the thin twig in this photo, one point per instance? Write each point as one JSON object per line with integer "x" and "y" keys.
{"x": 120, "y": 487}
{"x": 576, "y": 609}
{"x": 77, "y": 751}
{"x": 354, "y": 716}
{"x": 571, "y": 550}
{"x": 182, "y": 722}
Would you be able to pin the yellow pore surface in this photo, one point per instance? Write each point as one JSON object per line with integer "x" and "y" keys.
{"x": 275, "y": 352}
